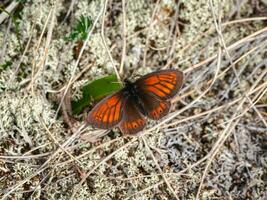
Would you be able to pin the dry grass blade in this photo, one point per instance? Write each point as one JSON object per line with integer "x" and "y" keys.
{"x": 124, "y": 36}
{"x": 218, "y": 27}
{"x": 159, "y": 168}
{"x": 59, "y": 145}
{"x": 105, "y": 43}
{"x": 96, "y": 166}
{"x": 8, "y": 10}
{"x": 150, "y": 27}
{"x": 41, "y": 63}
{"x": 228, "y": 130}
{"x": 44, "y": 166}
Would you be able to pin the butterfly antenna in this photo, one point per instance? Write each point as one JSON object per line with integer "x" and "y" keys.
{"x": 120, "y": 82}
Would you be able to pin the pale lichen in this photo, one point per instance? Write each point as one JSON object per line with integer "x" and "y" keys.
{"x": 28, "y": 107}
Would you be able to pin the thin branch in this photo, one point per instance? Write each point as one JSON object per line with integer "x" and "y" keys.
{"x": 124, "y": 36}
{"x": 105, "y": 43}
{"x": 159, "y": 168}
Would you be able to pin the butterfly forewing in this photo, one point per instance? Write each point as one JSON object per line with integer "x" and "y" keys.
{"x": 163, "y": 84}
{"x": 132, "y": 121}
{"x": 108, "y": 112}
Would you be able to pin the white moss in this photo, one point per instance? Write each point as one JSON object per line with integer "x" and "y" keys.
{"x": 138, "y": 15}
{"x": 23, "y": 118}
{"x": 86, "y": 8}
{"x": 100, "y": 55}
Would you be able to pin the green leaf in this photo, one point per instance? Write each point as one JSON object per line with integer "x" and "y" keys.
{"x": 95, "y": 91}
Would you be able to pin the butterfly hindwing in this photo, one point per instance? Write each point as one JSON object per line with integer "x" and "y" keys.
{"x": 154, "y": 108}
{"x": 108, "y": 112}
{"x": 132, "y": 121}
{"x": 163, "y": 84}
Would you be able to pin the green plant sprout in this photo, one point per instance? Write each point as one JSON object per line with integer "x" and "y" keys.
{"x": 81, "y": 29}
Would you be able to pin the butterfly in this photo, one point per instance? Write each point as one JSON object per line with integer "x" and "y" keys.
{"x": 147, "y": 97}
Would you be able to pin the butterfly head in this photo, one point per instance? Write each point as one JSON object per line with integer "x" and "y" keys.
{"x": 130, "y": 88}
{"x": 127, "y": 82}
{"x": 128, "y": 85}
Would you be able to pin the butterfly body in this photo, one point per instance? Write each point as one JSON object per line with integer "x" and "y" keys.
{"x": 147, "y": 97}
{"x": 132, "y": 91}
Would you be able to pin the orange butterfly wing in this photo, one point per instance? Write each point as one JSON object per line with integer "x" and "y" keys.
{"x": 156, "y": 88}
{"x": 108, "y": 112}
{"x": 153, "y": 107}
{"x": 163, "y": 84}
{"x": 132, "y": 121}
